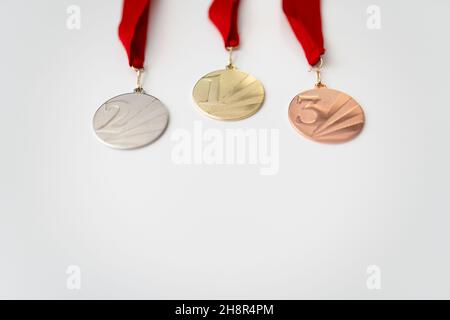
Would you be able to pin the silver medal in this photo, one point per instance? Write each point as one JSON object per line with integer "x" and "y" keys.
{"x": 130, "y": 120}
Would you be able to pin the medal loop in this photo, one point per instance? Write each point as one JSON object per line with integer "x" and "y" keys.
{"x": 230, "y": 58}
{"x": 139, "y": 73}
{"x": 318, "y": 70}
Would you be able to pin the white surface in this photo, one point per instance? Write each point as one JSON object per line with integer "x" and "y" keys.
{"x": 140, "y": 226}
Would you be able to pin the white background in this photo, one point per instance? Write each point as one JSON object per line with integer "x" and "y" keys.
{"x": 140, "y": 226}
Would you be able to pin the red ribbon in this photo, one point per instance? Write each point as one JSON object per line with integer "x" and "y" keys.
{"x": 224, "y": 15}
{"x": 305, "y": 19}
{"x": 133, "y": 30}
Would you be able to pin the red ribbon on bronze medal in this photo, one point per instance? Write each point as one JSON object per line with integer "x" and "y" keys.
{"x": 305, "y": 19}
{"x": 224, "y": 15}
{"x": 133, "y": 30}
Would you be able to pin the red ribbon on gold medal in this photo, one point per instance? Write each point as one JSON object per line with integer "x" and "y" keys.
{"x": 224, "y": 15}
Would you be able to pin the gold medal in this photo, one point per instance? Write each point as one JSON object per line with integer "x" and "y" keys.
{"x": 229, "y": 94}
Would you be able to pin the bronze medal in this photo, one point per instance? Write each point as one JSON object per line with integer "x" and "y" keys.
{"x": 326, "y": 115}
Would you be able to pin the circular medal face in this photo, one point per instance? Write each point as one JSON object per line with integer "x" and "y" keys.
{"x": 229, "y": 94}
{"x": 326, "y": 115}
{"x": 130, "y": 121}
